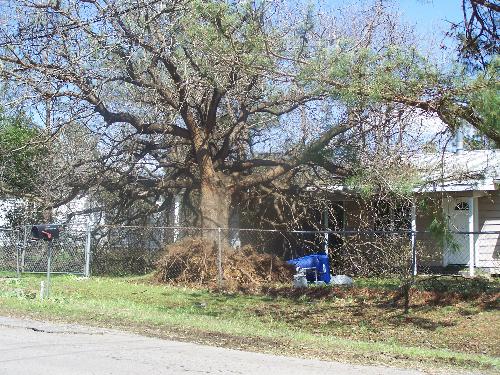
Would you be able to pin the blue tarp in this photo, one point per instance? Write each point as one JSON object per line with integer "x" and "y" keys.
{"x": 319, "y": 262}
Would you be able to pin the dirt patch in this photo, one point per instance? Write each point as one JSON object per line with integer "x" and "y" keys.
{"x": 485, "y": 301}
{"x": 435, "y": 320}
{"x": 418, "y": 298}
{"x": 193, "y": 262}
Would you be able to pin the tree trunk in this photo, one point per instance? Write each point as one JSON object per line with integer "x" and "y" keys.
{"x": 215, "y": 200}
{"x": 215, "y": 204}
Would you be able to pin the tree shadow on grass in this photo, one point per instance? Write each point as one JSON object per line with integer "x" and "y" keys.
{"x": 482, "y": 301}
{"x": 422, "y": 323}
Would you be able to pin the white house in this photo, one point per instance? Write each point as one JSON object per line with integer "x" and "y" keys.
{"x": 461, "y": 188}
{"x": 466, "y": 186}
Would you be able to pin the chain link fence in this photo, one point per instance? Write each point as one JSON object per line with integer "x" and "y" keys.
{"x": 19, "y": 253}
{"x": 9, "y": 252}
{"x": 136, "y": 250}
{"x": 68, "y": 252}
{"x": 125, "y": 250}
{"x": 216, "y": 255}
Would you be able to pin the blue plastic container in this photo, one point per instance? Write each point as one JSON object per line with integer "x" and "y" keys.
{"x": 318, "y": 261}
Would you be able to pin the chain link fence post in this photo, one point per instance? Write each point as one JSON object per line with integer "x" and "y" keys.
{"x": 472, "y": 270}
{"x": 25, "y": 244}
{"x": 219, "y": 259}
{"x": 18, "y": 244}
{"x": 414, "y": 260}
{"x": 88, "y": 241}
{"x": 414, "y": 253}
{"x": 49, "y": 266}
{"x": 414, "y": 238}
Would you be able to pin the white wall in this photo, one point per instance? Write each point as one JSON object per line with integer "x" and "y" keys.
{"x": 6, "y": 205}
{"x": 488, "y": 245}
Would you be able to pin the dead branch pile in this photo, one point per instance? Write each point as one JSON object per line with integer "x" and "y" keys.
{"x": 193, "y": 261}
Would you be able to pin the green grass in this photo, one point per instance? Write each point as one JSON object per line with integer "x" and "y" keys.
{"x": 5, "y": 274}
{"x": 349, "y": 327}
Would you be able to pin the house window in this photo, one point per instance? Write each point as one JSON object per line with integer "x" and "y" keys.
{"x": 462, "y": 206}
{"x": 391, "y": 216}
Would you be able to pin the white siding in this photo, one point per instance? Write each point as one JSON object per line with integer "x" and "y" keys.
{"x": 488, "y": 245}
{"x": 5, "y": 206}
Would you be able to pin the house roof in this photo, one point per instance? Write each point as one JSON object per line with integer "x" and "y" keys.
{"x": 458, "y": 171}
{"x": 477, "y": 170}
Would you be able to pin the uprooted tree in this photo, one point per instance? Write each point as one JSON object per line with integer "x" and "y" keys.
{"x": 214, "y": 97}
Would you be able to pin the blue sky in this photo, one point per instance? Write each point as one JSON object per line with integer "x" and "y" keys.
{"x": 430, "y": 20}
{"x": 429, "y": 14}
{"x": 425, "y": 14}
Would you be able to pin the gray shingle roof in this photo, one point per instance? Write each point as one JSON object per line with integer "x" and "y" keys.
{"x": 462, "y": 171}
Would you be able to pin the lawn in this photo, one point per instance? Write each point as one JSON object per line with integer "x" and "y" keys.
{"x": 453, "y": 323}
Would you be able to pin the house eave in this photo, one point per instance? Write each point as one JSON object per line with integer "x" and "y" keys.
{"x": 458, "y": 186}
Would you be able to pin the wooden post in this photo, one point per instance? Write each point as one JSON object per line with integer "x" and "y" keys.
{"x": 472, "y": 228}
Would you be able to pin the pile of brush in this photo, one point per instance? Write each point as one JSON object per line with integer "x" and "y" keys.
{"x": 193, "y": 262}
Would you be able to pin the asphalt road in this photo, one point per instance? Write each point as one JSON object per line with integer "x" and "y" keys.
{"x": 39, "y": 348}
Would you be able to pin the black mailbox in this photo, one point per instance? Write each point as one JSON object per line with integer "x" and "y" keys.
{"x": 46, "y": 232}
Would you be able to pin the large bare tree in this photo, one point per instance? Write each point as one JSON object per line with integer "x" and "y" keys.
{"x": 214, "y": 97}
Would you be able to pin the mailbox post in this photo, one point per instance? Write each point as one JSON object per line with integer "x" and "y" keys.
{"x": 46, "y": 232}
